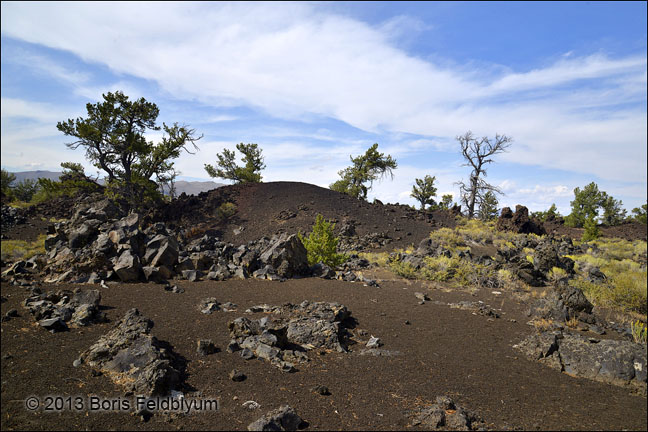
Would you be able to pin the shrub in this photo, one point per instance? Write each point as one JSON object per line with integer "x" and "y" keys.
{"x": 21, "y": 249}
{"x": 556, "y": 274}
{"x": 321, "y": 244}
{"x": 592, "y": 231}
{"x": 226, "y": 210}
{"x": 403, "y": 269}
{"x": 639, "y": 332}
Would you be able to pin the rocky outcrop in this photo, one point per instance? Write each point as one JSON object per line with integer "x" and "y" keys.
{"x": 56, "y": 311}
{"x": 284, "y": 336}
{"x": 133, "y": 358}
{"x": 519, "y": 222}
{"x": 100, "y": 239}
{"x": 618, "y": 362}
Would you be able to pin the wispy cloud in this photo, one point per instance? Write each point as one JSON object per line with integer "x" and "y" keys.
{"x": 583, "y": 113}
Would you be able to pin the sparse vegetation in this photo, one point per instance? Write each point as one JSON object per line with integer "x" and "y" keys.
{"x": 624, "y": 287}
{"x": 321, "y": 244}
{"x": 639, "y": 332}
{"x": 20, "y": 249}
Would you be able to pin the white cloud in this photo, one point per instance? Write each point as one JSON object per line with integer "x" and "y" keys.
{"x": 294, "y": 61}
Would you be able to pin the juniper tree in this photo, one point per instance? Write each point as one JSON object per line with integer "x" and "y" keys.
{"x": 227, "y": 168}
{"x": 424, "y": 191}
{"x": 488, "y": 207}
{"x": 365, "y": 169}
{"x": 113, "y": 136}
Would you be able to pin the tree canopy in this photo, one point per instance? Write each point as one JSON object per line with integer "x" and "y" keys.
{"x": 227, "y": 168}
{"x": 587, "y": 203}
{"x": 366, "y": 168}
{"x": 113, "y": 136}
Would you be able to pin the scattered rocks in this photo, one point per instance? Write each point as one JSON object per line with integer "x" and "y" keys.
{"x": 206, "y": 347}
{"x": 374, "y": 342}
{"x": 422, "y": 297}
{"x": 321, "y": 390}
{"x": 283, "y": 418}
{"x": 133, "y": 358}
{"x": 251, "y": 405}
{"x": 284, "y": 337}
{"x": 54, "y": 311}
{"x": 478, "y": 307}
{"x": 622, "y": 363}
{"x": 444, "y": 414}
{"x": 209, "y": 305}
{"x": 237, "y": 376}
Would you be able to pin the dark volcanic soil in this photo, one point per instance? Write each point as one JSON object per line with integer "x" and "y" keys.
{"x": 264, "y": 209}
{"x": 444, "y": 351}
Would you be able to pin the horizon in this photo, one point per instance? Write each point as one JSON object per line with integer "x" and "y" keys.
{"x": 315, "y": 83}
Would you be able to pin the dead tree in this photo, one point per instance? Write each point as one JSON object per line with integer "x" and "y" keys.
{"x": 477, "y": 153}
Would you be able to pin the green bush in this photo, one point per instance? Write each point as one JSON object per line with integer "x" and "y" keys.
{"x": 321, "y": 244}
{"x": 592, "y": 231}
{"x": 226, "y": 210}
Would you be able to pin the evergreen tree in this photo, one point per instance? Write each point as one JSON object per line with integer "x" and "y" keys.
{"x": 227, "y": 168}
{"x": 365, "y": 169}
{"x": 424, "y": 191}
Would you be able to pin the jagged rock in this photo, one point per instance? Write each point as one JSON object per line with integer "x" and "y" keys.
{"x": 206, "y": 347}
{"x": 55, "y": 324}
{"x": 287, "y": 255}
{"x": 237, "y": 376}
{"x": 323, "y": 271}
{"x": 617, "y": 362}
{"x": 444, "y": 414}
{"x": 131, "y": 357}
{"x": 308, "y": 325}
{"x": 81, "y": 235}
{"x": 80, "y": 308}
{"x": 209, "y": 305}
{"x": 191, "y": 275}
{"x": 128, "y": 267}
{"x": 153, "y": 274}
{"x": 562, "y": 303}
{"x": 546, "y": 256}
{"x": 283, "y": 418}
{"x": 519, "y": 221}
{"x": 374, "y": 342}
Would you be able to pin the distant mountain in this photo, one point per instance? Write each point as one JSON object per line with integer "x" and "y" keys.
{"x": 35, "y": 175}
{"x": 195, "y": 187}
{"x": 188, "y": 187}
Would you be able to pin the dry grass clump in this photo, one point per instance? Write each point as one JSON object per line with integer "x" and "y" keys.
{"x": 623, "y": 263}
{"x": 13, "y": 250}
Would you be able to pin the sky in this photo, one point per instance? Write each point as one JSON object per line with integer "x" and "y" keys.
{"x": 315, "y": 83}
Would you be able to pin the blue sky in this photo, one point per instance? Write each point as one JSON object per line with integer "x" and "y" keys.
{"x": 313, "y": 83}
